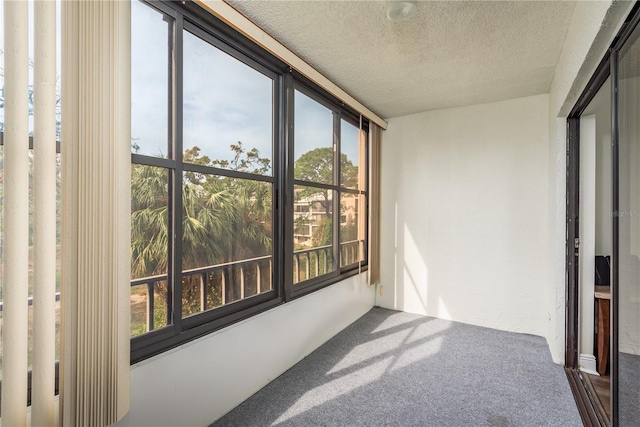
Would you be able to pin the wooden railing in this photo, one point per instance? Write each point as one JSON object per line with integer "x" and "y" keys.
{"x": 351, "y": 252}
{"x": 313, "y": 262}
{"x": 261, "y": 266}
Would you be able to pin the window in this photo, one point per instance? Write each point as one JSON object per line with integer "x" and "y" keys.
{"x": 232, "y": 214}
{"x": 328, "y": 179}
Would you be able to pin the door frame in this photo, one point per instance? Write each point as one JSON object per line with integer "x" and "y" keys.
{"x": 608, "y": 67}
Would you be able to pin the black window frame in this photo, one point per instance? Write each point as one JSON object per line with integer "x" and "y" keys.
{"x": 188, "y": 16}
{"x": 340, "y": 112}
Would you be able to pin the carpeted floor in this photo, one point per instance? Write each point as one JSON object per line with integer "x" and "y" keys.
{"x": 397, "y": 369}
{"x": 629, "y": 394}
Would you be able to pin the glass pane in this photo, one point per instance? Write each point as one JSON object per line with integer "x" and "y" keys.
{"x": 228, "y": 110}
{"x": 149, "y": 221}
{"x": 596, "y": 242}
{"x": 312, "y": 233}
{"x": 150, "y": 53}
{"x": 149, "y": 248}
{"x": 351, "y": 157}
{"x": 146, "y": 317}
{"x": 313, "y": 137}
{"x": 352, "y": 228}
{"x": 226, "y": 242}
{"x": 629, "y": 233}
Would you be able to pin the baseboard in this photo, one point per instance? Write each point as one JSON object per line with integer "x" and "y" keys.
{"x": 588, "y": 364}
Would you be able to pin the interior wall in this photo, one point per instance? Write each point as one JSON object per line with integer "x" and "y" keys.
{"x": 587, "y": 248}
{"x": 604, "y": 236}
{"x": 464, "y": 214}
{"x": 197, "y": 383}
{"x": 595, "y": 211}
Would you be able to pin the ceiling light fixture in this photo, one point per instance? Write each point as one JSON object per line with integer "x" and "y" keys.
{"x": 400, "y": 10}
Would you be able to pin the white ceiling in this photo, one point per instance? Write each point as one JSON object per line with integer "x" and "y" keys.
{"x": 451, "y": 53}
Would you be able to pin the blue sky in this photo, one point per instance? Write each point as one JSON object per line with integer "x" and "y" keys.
{"x": 224, "y": 100}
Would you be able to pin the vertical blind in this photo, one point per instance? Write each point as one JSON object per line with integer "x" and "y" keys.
{"x": 16, "y": 215}
{"x": 375, "y": 136}
{"x": 94, "y": 383}
{"x": 15, "y": 315}
{"x": 44, "y": 214}
{"x": 96, "y": 205}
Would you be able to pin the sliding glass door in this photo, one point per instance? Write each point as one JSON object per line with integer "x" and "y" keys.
{"x": 626, "y": 290}
{"x": 603, "y": 237}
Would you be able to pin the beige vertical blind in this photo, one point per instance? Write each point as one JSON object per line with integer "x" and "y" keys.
{"x": 96, "y": 103}
{"x": 375, "y": 140}
{"x": 16, "y": 215}
{"x": 44, "y": 214}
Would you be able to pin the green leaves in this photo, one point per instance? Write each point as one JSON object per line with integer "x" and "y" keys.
{"x": 223, "y": 219}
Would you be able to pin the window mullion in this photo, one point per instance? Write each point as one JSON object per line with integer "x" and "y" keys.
{"x": 176, "y": 236}
{"x": 336, "y": 193}
{"x": 287, "y": 182}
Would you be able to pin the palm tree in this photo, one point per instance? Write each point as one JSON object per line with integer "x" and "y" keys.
{"x": 224, "y": 219}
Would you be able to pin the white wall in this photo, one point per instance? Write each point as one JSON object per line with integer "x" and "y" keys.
{"x": 588, "y": 137}
{"x": 604, "y": 232}
{"x": 199, "y": 382}
{"x": 464, "y": 214}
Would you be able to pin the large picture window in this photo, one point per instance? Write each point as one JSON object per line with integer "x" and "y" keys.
{"x": 224, "y": 196}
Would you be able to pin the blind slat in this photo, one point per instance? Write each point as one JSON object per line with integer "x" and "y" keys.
{"x": 16, "y": 215}
{"x": 44, "y": 214}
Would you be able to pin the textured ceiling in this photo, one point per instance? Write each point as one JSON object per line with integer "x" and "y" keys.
{"x": 451, "y": 53}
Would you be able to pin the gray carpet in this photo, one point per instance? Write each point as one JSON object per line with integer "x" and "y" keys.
{"x": 397, "y": 369}
{"x": 629, "y": 394}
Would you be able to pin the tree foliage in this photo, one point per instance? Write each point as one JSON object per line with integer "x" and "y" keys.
{"x": 317, "y": 166}
{"x": 223, "y": 219}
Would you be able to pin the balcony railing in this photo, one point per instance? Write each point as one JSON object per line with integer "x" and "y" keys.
{"x": 313, "y": 262}
{"x": 236, "y": 280}
{"x": 351, "y": 252}
{"x": 258, "y": 268}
